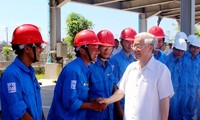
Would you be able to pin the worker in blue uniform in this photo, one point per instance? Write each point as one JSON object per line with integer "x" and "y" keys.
{"x": 159, "y": 51}
{"x": 192, "y": 63}
{"x": 71, "y": 98}
{"x": 20, "y": 90}
{"x": 198, "y": 96}
{"x": 120, "y": 61}
{"x": 174, "y": 61}
{"x": 102, "y": 79}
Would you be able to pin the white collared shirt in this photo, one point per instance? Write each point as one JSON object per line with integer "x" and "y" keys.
{"x": 144, "y": 88}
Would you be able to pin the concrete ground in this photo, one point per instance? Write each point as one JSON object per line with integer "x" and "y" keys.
{"x": 47, "y": 89}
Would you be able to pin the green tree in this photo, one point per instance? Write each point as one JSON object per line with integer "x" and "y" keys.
{"x": 75, "y": 23}
{"x": 197, "y": 31}
{"x": 7, "y": 51}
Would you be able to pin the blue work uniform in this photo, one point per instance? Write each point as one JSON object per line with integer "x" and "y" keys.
{"x": 70, "y": 92}
{"x": 198, "y": 100}
{"x": 176, "y": 102}
{"x": 192, "y": 66}
{"x": 160, "y": 56}
{"x": 20, "y": 92}
{"x": 101, "y": 85}
{"x": 120, "y": 62}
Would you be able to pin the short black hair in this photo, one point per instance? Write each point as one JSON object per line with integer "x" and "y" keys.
{"x": 17, "y": 50}
{"x": 116, "y": 40}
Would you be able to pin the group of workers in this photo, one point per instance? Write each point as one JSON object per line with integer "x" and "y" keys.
{"x": 141, "y": 81}
{"x": 183, "y": 63}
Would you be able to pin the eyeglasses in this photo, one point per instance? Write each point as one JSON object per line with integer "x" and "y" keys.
{"x": 138, "y": 46}
{"x": 39, "y": 45}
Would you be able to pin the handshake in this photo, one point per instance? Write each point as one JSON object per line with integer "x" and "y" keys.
{"x": 99, "y": 104}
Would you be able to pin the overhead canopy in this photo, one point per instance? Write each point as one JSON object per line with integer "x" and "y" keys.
{"x": 186, "y": 12}
{"x": 160, "y": 8}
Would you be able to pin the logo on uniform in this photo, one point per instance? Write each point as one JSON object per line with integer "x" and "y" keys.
{"x": 11, "y": 87}
{"x": 73, "y": 84}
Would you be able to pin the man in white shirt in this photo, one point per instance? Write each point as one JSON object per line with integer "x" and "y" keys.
{"x": 146, "y": 84}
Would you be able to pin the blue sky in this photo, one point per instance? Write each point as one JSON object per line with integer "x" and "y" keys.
{"x": 17, "y": 12}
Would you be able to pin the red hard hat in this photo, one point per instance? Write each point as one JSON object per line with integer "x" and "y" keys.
{"x": 106, "y": 38}
{"x": 85, "y": 37}
{"x": 26, "y": 34}
{"x": 128, "y": 34}
{"x": 157, "y": 32}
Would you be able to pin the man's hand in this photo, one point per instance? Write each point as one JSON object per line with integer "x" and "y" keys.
{"x": 98, "y": 107}
{"x": 96, "y": 100}
{"x": 26, "y": 116}
{"x": 104, "y": 102}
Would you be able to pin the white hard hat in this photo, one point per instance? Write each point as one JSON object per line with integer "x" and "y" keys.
{"x": 180, "y": 44}
{"x": 191, "y": 38}
{"x": 195, "y": 42}
{"x": 181, "y": 35}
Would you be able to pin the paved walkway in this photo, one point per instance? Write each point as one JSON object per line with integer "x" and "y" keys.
{"x": 47, "y": 88}
{"x": 47, "y": 82}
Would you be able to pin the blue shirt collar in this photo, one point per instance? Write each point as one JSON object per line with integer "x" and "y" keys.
{"x": 83, "y": 65}
{"x": 188, "y": 54}
{"x": 124, "y": 55}
{"x": 22, "y": 66}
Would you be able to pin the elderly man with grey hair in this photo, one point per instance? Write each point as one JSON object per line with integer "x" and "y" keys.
{"x": 146, "y": 84}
